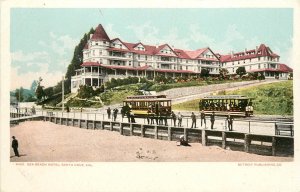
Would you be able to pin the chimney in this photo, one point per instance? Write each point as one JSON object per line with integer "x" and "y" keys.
{"x": 245, "y": 50}
{"x": 256, "y": 49}
{"x": 91, "y": 36}
{"x": 231, "y": 53}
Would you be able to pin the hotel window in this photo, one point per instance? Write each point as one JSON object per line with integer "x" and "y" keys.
{"x": 258, "y": 66}
{"x": 186, "y": 68}
{"x": 138, "y": 56}
{"x": 120, "y": 46}
{"x": 186, "y": 61}
{"x": 113, "y": 45}
{"x": 244, "y": 61}
{"x": 146, "y": 57}
{"x": 129, "y": 63}
{"x": 104, "y": 42}
{"x": 250, "y": 60}
{"x": 100, "y": 52}
{"x": 96, "y": 43}
{"x": 258, "y": 58}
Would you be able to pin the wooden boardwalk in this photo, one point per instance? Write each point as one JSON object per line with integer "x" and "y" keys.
{"x": 248, "y": 142}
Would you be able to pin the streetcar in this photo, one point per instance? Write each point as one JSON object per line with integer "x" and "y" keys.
{"x": 145, "y": 105}
{"x": 237, "y": 105}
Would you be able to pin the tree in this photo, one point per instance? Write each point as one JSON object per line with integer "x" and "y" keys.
{"x": 48, "y": 92}
{"x": 39, "y": 92}
{"x": 85, "y": 92}
{"x": 204, "y": 72}
{"x": 34, "y": 85}
{"x": 19, "y": 94}
{"x": 223, "y": 73}
{"x": 241, "y": 71}
{"x": 76, "y": 60}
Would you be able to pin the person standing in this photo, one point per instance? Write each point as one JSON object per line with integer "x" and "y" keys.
{"x": 202, "y": 115}
{"x": 115, "y": 114}
{"x": 108, "y": 112}
{"x": 174, "y": 118}
{"x": 179, "y": 116}
{"x": 212, "y": 120}
{"x": 193, "y": 116}
{"x": 229, "y": 122}
{"x": 15, "y": 146}
{"x": 33, "y": 110}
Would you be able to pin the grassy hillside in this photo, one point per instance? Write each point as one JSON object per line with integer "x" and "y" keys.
{"x": 271, "y": 99}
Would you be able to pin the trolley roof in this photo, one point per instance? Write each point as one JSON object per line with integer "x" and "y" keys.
{"x": 148, "y": 100}
{"x": 226, "y": 97}
{"x": 146, "y": 96}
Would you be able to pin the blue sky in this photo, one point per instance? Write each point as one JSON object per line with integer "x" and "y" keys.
{"x": 43, "y": 40}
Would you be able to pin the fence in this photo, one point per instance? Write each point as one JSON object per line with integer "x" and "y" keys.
{"x": 248, "y": 141}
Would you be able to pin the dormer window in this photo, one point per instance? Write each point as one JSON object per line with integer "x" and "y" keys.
{"x": 104, "y": 42}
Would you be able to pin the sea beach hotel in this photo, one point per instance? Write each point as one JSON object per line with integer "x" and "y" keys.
{"x": 105, "y": 58}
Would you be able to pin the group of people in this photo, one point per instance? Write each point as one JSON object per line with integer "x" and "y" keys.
{"x": 115, "y": 113}
{"x": 161, "y": 119}
{"x": 26, "y": 111}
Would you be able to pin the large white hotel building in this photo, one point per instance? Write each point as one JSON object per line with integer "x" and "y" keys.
{"x": 105, "y": 58}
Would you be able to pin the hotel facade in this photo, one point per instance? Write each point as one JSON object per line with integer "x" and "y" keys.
{"x": 105, "y": 58}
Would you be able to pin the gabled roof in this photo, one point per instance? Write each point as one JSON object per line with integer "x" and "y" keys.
{"x": 159, "y": 48}
{"x": 149, "y": 50}
{"x": 262, "y": 51}
{"x": 182, "y": 54}
{"x": 100, "y": 34}
{"x": 196, "y": 53}
{"x": 120, "y": 41}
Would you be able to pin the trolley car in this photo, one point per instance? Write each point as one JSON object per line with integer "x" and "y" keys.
{"x": 145, "y": 105}
{"x": 238, "y": 105}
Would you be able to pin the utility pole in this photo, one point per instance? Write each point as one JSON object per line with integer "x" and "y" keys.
{"x": 63, "y": 93}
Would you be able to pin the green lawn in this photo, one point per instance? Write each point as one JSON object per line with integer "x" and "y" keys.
{"x": 271, "y": 99}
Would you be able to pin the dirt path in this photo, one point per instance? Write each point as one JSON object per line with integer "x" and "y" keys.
{"x": 44, "y": 141}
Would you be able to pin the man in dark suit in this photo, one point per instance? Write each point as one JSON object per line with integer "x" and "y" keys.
{"x": 14, "y": 145}
{"x": 230, "y": 122}
{"x": 212, "y": 120}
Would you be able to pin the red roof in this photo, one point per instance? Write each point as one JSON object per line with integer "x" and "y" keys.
{"x": 182, "y": 54}
{"x": 100, "y": 34}
{"x": 282, "y": 68}
{"x": 196, "y": 53}
{"x": 173, "y": 71}
{"x": 262, "y": 51}
{"x": 86, "y": 64}
{"x": 285, "y": 68}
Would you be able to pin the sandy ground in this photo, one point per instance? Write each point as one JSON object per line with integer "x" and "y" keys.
{"x": 44, "y": 141}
